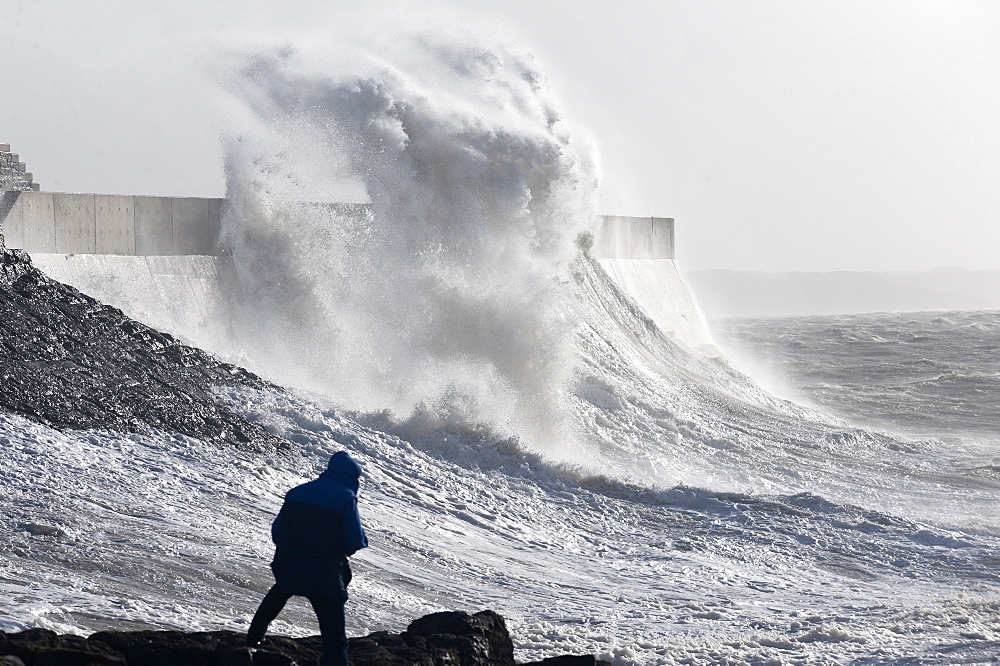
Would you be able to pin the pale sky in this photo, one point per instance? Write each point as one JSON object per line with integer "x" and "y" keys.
{"x": 781, "y": 134}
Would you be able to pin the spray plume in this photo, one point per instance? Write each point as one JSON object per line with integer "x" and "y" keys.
{"x": 445, "y": 298}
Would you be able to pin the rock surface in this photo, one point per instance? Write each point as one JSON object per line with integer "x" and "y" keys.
{"x": 452, "y": 638}
{"x": 69, "y": 361}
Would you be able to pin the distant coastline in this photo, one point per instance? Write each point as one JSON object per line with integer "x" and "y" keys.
{"x": 725, "y": 293}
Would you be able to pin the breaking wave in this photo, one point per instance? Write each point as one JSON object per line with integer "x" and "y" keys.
{"x": 556, "y": 455}
{"x": 455, "y": 307}
{"x": 444, "y": 298}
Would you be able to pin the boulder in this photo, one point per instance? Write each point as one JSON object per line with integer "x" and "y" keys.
{"x": 570, "y": 660}
{"x": 452, "y": 637}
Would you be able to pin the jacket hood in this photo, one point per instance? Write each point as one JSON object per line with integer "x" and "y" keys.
{"x": 343, "y": 469}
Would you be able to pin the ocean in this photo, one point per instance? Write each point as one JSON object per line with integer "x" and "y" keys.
{"x": 921, "y": 374}
{"x": 715, "y": 525}
{"x": 821, "y": 491}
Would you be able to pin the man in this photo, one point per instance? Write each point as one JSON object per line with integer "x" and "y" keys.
{"x": 315, "y": 532}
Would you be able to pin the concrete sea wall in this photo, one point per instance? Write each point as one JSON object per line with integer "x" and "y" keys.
{"x": 161, "y": 261}
{"x": 144, "y": 226}
{"x": 65, "y": 223}
{"x": 624, "y": 237}
{"x": 141, "y": 254}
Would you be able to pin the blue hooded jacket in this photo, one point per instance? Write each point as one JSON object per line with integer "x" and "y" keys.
{"x": 317, "y": 528}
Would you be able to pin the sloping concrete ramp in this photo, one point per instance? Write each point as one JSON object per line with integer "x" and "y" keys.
{"x": 180, "y": 295}
{"x": 657, "y": 287}
{"x": 183, "y": 294}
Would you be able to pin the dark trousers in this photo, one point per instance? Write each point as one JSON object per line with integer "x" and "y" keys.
{"x": 330, "y": 613}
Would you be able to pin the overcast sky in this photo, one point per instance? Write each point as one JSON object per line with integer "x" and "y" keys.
{"x": 781, "y": 134}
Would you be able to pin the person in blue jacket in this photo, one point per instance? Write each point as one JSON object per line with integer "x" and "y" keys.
{"x": 315, "y": 532}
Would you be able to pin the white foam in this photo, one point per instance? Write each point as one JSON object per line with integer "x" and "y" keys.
{"x": 447, "y": 302}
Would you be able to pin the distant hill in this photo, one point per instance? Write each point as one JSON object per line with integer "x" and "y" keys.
{"x": 723, "y": 293}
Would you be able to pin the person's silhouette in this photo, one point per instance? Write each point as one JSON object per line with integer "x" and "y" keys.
{"x": 315, "y": 532}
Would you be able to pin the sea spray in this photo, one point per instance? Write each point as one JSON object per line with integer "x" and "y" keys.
{"x": 446, "y": 298}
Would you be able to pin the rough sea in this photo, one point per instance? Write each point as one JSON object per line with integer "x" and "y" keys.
{"x": 921, "y": 374}
{"x": 532, "y": 442}
{"x": 791, "y": 536}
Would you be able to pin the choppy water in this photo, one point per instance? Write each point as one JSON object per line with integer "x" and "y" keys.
{"x": 791, "y": 539}
{"x": 923, "y": 374}
{"x": 532, "y": 443}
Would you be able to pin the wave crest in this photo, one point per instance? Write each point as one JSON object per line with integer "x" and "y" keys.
{"x": 450, "y": 287}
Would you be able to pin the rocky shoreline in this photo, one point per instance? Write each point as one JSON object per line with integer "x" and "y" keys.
{"x": 452, "y": 638}
{"x": 70, "y": 361}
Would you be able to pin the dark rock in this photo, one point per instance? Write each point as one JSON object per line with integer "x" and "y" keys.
{"x": 441, "y": 639}
{"x": 41, "y": 647}
{"x": 167, "y": 648}
{"x": 69, "y": 361}
{"x": 24, "y": 644}
{"x": 483, "y": 634}
{"x": 570, "y": 660}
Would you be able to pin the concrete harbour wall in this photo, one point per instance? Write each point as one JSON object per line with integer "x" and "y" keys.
{"x": 159, "y": 259}
{"x": 65, "y": 223}
{"x": 623, "y": 237}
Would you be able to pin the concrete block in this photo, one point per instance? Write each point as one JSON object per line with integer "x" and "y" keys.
{"x": 35, "y": 187}
{"x": 640, "y": 238}
{"x": 4, "y": 147}
{"x": 38, "y": 221}
{"x": 662, "y": 243}
{"x": 115, "y": 224}
{"x": 21, "y": 166}
{"x": 602, "y": 245}
{"x": 76, "y": 223}
{"x": 191, "y": 228}
{"x": 10, "y": 219}
{"x": 215, "y": 225}
{"x": 658, "y": 289}
{"x": 624, "y": 237}
{"x": 617, "y": 234}
{"x": 154, "y": 226}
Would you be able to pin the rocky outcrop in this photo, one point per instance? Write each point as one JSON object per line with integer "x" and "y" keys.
{"x": 41, "y": 647}
{"x": 69, "y": 361}
{"x": 443, "y": 639}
